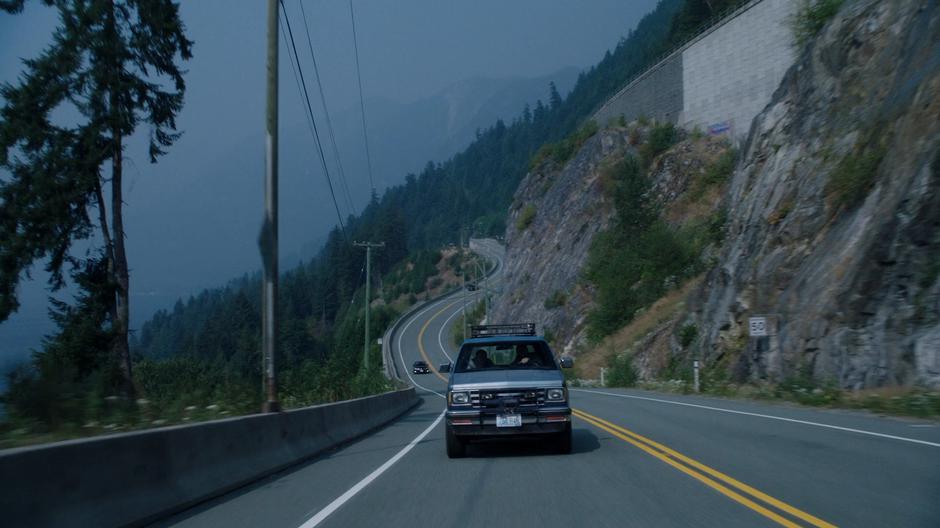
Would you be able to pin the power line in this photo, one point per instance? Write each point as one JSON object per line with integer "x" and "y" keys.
{"x": 362, "y": 105}
{"x": 326, "y": 113}
{"x": 300, "y": 90}
{"x": 308, "y": 114}
{"x": 311, "y": 120}
{"x": 316, "y": 134}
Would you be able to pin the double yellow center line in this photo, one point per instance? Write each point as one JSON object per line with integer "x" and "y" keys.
{"x": 421, "y": 350}
{"x": 734, "y": 489}
{"x": 728, "y": 486}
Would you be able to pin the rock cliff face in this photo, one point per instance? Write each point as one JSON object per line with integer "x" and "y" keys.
{"x": 833, "y": 220}
{"x": 834, "y": 212}
{"x": 545, "y": 254}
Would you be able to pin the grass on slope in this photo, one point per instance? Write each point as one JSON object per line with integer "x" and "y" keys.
{"x": 661, "y": 312}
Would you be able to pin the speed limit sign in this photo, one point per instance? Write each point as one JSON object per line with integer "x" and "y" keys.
{"x": 757, "y": 326}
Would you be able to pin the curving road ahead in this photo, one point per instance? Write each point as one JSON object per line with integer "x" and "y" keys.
{"x": 639, "y": 459}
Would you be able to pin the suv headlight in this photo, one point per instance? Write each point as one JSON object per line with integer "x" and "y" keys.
{"x": 460, "y": 398}
{"x": 555, "y": 395}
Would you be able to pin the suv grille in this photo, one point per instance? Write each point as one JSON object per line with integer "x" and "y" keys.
{"x": 501, "y": 398}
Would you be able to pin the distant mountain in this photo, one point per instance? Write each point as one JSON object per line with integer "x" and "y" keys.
{"x": 405, "y": 136}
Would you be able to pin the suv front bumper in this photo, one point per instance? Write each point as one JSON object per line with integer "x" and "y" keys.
{"x": 478, "y": 423}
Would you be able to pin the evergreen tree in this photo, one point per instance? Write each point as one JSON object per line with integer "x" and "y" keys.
{"x": 688, "y": 21}
{"x": 540, "y": 113}
{"x": 114, "y": 63}
{"x": 554, "y": 98}
{"x": 85, "y": 328}
{"x": 74, "y": 361}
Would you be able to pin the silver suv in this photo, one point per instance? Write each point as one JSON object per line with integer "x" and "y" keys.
{"x": 506, "y": 382}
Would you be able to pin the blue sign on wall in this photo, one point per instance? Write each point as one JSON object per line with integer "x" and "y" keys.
{"x": 719, "y": 128}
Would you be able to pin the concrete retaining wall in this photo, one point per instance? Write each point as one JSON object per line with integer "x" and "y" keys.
{"x": 657, "y": 95}
{"x": 731, "y": 73}
{"x": 720, "y": 80}
{"x": 135, "y": 478}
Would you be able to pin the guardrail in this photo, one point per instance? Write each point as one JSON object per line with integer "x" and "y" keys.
{"x": 135, "y": 478}
{"x": 391, "y": 366}
{"x": 131, "y": 479}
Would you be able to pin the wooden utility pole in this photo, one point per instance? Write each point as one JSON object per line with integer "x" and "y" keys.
{"x": 463, "y": 285}
{"x": 368, "y": 246}
{"x": 268, "y": 241}
{"x": 482, "y": 285}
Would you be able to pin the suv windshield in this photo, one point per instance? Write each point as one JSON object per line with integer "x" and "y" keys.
{"x": 508, "y": 355}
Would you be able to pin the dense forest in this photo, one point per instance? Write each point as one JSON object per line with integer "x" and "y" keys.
{"x": 206, "y": 350}
{"x": 468, "y": 194}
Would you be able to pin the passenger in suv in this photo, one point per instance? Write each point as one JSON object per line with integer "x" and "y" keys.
{"x": 506, "y": 382}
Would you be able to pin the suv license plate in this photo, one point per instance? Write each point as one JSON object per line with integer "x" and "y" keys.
{"x": 508, "y": 420}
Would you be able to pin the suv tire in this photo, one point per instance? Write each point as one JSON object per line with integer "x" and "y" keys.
{"x": 564, "y": 440}
{"x": 456, "y": 448}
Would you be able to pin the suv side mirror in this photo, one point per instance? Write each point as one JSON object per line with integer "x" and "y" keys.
{"x": 445, "y": 367}
{"x": 567, "y": 362}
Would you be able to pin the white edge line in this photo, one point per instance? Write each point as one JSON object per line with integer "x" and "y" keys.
{"x": 401, "y": 332}
{"x": 342, "y": 499}
{"x": 793, "y": 420}
{"x": 351, "y": 492}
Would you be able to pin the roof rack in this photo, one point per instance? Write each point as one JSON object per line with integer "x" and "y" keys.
{"x": 517, "y": 329}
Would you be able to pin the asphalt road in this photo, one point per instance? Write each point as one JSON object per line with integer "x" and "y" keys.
{"x": 639, "y": 459}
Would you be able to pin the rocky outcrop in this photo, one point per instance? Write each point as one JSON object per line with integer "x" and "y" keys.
{"x": 834, "y": 212}
{"x": 545, "y": 253}
{"x": 833, "y": 221}
{"x": 566, "y": 208}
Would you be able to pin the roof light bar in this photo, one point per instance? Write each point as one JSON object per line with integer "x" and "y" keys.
{"x": 518, "y": 329}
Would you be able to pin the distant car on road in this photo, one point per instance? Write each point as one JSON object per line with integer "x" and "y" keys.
{"x": 420, "y": 367}
{"x": 470, "y": 286}
{"x": 504, "y": 383}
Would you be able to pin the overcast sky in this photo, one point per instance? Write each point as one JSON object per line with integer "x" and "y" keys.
{"x": 409, "y": 49}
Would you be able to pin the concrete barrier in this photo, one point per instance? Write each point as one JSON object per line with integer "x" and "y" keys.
{"x": 134, "y": 478}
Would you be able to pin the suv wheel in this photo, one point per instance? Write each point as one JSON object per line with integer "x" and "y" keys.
{"x": 564, "y": 440}
{"x": 456, "y": 448}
